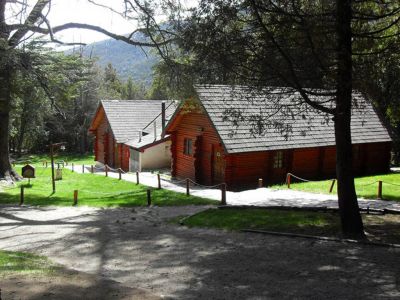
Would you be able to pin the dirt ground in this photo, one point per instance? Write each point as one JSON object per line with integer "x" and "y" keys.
{"x": 68, "y": 285}
{"x": 136, "y": 254}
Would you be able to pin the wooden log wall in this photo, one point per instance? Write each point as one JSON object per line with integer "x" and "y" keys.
{"x": 195, "y": 126}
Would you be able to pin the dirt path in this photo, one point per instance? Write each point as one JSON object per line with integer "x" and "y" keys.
{"x": 66, "y": 286}
{"x": 138, "y": 249}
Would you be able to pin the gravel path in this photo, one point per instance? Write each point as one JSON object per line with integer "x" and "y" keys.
{"x": 138, "y": 249}
{"x": 258, "y": 197}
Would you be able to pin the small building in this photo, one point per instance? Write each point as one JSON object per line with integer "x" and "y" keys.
{"x": 235, "y": 135}
{"x": 128, "y": 133}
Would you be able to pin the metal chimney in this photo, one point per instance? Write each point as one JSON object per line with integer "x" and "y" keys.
{"x": 140, "y": 136}
{"x": 163, "y": 116}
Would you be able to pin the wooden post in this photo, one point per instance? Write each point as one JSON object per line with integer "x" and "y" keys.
{"x": 21, "y": 199}
{"x": 106, "y": 169}
{"x": 46, "y": 164}
{"x": 187, "y": 187}
{"x": 148, "y": 197}
{"x": 380, "y": 189}
{"x": 75, "y": 197}
{"x": 159, "y": 181}
{"x": 288, "y": 179}
{"x": 83, "y": 169}
{"x": 332, "y": 185}
{"x": 137, "y": 177}
{"x": 119, "y": 174}
{"x": 260, "y": 183}
{"x": 92, "y": 169}
{"x": 52, "y": 168}
{"x": 72, "y": 167}
{"x": 223, "y": 194}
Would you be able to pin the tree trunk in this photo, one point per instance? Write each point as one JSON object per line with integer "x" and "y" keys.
{"x": 5, "y": 99}
{"x": 21, "y": 136}
{"x": 352, "y": 225}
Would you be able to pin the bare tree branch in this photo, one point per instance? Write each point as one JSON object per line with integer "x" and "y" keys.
{"x": 30, "y": 21}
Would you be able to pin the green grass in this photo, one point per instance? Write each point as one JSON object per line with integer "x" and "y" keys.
{"x": 263, "y": 219}
{"x": 22, "y": 263}
{"x": 93, "y": 190}
{"x": 37, "y": 159}
{"x": 366, "y": 187}
{"x": 383, "y": 228}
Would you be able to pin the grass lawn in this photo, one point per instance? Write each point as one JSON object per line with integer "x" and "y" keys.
{"x": 21, "y": 263}
{"x": 366, "y": 187}
{"x": 379, "y": 227}
{"x": 93, "y": 190}
{"x": 37, "y": 159}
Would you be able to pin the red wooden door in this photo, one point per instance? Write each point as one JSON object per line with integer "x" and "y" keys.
{"x": 198, "y": 156}
{"x": 217, "y": 165}
{"x": 106, "y": 148}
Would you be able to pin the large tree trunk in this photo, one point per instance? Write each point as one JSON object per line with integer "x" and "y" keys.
{"x": 352, "y": 225}
{"x": 5, "y": 166}
{"x": 5, "y": 99}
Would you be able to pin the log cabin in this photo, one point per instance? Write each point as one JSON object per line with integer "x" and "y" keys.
{"x": 236, "y": 135}
{"x": 128, "y": 134}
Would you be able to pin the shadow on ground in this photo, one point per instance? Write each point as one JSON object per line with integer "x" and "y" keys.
{"x": 137, "y": 248}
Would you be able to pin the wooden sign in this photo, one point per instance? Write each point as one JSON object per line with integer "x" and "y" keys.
{"x": 28, "y": 171}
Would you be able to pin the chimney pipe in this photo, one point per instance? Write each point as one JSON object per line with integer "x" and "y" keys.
{"x": 140, "y": 136}
{"x": 163, "y": 116}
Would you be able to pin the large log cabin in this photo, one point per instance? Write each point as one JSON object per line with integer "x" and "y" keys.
{"x": 235, "y": 135}
{"x": 128, "y": 134}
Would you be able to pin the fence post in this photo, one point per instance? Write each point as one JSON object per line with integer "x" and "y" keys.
{"x": 187, "y": 187}
{"x": 332, "y": 185}
{"x": 21, "y": 199}
{"x": 83, "y": 169}
{"x": 91, "y": 169}
{"x": 159, "y": 181}
{"x": 148, "y": 197}
{"x": 106, "y": 169}
{"x": 75, "y": 197}
{"x": 223, "y": 194}
{"x": 72, "y": 166}
{"x": 46, "y": 164}
{"x": 119, "y": 174}
{"x": 380, "y": 189}
{"x": 137, "y": 177}
{"x": 288, "y": 179}
{"x": 260, "y": 182}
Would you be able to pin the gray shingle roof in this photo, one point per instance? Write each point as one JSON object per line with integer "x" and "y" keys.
{"x": 249, "y": 121}
{"x": 128, "y": 117}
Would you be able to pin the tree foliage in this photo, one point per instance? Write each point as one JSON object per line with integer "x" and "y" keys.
{"x": 23, "y": 21}
{"x": 317, "y": 48}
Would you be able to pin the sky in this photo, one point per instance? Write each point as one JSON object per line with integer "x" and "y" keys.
{"x": 82, "y": 11}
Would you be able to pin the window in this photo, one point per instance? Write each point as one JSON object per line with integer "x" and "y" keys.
{"x": 188, "y": 147}
{"x": 278, "y": 160}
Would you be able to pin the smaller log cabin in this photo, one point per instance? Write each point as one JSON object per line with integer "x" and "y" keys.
{"x": 128, "y": 134}
{"x": 236, "y": 135}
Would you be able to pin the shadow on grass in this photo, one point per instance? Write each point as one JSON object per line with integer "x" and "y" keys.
{"x": 137, "y": 197}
